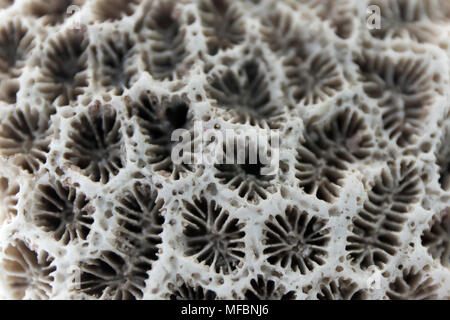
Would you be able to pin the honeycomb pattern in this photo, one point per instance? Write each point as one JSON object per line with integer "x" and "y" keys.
{"x": 98, "y": 96}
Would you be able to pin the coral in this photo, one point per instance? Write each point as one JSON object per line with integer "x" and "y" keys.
{"x": 223, "y": 24}
{"x": 158, "y": 119}
{"x": 315, "y": 80}
{"x": 95, "y": 142}
{"x": 16, "y": 43}
{"x": 139, "y": 224}
{"x": 404, "y": 90}
{"x": 267, "y": 290}
{"x": 437, "y": 238}
{"x": 296, "y": 241}
{"x": 212, "y": 236}
{"x": 224, "y": 149}
{"x": 327, "y": 151}
{"x": 187, "y": 292}
{"x": 62, "y": 211}
{"x": 404, "y": 19}
{"x": 64, "y": 68}
{"x": 338, "y": 13}
{"x": 167, "y": 47}
{"x": 374, "y": 234}
{"x": 115, "y": 65}
{"x": 27, "y": 273}
{"x": 114, "y": 10}
{"x": 247, "y": 99}
{"x": 25, "y": 138}
{"x": 443, "y": 161}
{"x": 340, "y": 289}
{"x": 413, "y": 285}
{"x": 9, "y": 197}
{"x": 111, "y": 277}
{"x": 243, "y": 173}
{"x": 52, "y": 11}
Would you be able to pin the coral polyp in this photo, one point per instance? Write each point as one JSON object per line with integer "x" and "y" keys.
{"x": 224, "y": 150}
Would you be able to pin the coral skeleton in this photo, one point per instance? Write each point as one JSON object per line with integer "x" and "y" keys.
{"x": 138, "y": 157}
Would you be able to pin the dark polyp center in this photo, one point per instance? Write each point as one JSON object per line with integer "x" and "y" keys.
{"x": 177, "y": 115}
{"x": 253, "y": 169}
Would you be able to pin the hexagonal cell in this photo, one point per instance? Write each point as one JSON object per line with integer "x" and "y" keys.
{"x": 139, "y": 223}
{"x": 437, "y": 238}
{"x": 16, "y": 43}
{"x": 111, "y": 277}
{"x": 158, "y": 118}
{"x": 404, "y": 19}
{"x": 28, "y": 273}
{"x": 115, "y": 59}
{"x": 375, "y": 232}
{"x": 25, "y": 137}
{"x": 403, "y": 87}
{"x": 314, "y": 80}
{"x": 167, "y": 51}
{"x": 327, "y": 150}
{"x": 63, "y": 211}
{"x": 212, "y": 236}
{"x": 246, "y": 95}
{"x": 414, "y": 284}
{"x": 339, "y": 13}
{"x": 64, "y": 74}
{"x": 245, "y": 167}
{"x": 296, "y": 241}
{"x": 95, "y": 143}
{"x": 281, "y": 32}
{"x": 262, "y": 289}
{"x": 223, "y": 24}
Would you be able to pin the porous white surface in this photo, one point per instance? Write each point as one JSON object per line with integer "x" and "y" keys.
{"x": 92, "y": 207}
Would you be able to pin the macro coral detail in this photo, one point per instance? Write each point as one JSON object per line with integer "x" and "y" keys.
{"x": 224, "y": 149}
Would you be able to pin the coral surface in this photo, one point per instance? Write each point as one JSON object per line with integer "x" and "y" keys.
{"x": 98, "y": 96}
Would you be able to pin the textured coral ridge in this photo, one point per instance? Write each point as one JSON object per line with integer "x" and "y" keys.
{"x": 92, "y": 206}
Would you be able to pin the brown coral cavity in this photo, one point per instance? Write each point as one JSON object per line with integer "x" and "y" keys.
{"x": 413, "y": 284}
{"x": 246, "y": 95}
{"x": 25, "y": 138}
{"x": 167, "y": 53}
{"x": 107, "y": 10}
{"x": 223, "y": 24}
{"x": 62, "y": 211}
{"x": 95, "y": 143}
{"x": 212, "y": 236}
{"x": 64, "y": 75}
{"x": 437, "y": 238}
{"x": 16, "y": 44}
{"x": 327, "y": 152}
{"x": 53, "y": 11}
{"x": 29, "y": 274}
{"x": 158, "y": 118}
{"x": 115, "y": 63}
{"x": 9, "y": 197}
{"x": 296, "y": 241}
{"x": 374, "y": 237}
{"x": 111, "y": 277}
